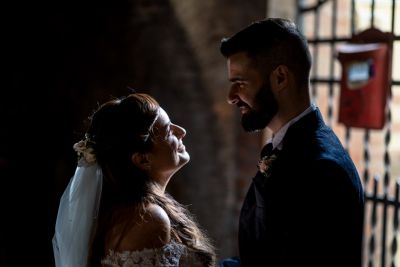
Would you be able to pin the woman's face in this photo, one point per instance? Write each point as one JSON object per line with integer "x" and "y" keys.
{"x": 168, "y": 153}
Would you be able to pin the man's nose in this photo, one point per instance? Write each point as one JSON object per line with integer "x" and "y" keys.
{"x": 232, "y": 97}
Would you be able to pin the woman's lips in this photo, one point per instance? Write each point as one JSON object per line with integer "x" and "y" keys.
{"x": 181, "y": 148}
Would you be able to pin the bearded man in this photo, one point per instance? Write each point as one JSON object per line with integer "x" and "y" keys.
{"x": 305, "y": 204}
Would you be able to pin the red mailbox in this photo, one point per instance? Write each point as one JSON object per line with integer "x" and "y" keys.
{"x": 366, "y": 79}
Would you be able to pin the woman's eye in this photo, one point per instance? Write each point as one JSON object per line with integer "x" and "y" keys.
{"x": 168, "y": 133}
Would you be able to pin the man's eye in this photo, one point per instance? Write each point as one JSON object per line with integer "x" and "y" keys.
{"x": 239, "y": 85}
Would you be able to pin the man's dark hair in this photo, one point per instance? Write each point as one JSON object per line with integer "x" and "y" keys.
{"x": 270, "y": 43}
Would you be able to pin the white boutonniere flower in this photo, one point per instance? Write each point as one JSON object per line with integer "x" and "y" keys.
{"x": 265, "y": 163}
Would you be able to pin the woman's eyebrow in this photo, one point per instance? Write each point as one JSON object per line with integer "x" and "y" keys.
{"x": 167, "y": 126}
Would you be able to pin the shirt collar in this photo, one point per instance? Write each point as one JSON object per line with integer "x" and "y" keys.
{"x": 277, "y": 138}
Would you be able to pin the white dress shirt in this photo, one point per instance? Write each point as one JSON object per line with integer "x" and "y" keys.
{"x": 277, "y": 138}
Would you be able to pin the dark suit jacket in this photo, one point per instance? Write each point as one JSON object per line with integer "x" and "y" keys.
{"x": 309, "y": 211}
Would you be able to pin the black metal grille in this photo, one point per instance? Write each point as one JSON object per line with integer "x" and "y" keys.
{"x": 381, "y": 230}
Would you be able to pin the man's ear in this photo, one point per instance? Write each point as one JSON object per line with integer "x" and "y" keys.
{"x": 280, "y": 77}
{"x": 141, "y": 160}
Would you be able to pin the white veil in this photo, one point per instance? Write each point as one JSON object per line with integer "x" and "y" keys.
{"x": 77, "y": 213}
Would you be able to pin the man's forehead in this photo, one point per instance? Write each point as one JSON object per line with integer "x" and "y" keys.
{"x": 239, "y": 66}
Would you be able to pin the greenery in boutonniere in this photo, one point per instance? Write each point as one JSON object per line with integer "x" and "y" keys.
{"x": 264, "y": 165}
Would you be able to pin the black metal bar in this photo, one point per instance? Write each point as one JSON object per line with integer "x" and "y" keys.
{"x": 384, "y": 227}
{"x": 396, "y": 204}
{"x": 338, "y": 40}
{"x": 395, "y": 223}
{"x": 328, "y": 40}
{"x": 372, "y": 242}
{"x": 352, "y": 16}
{"x": 391, "y": 201}
{"x": 334, "y": 19}
{"x": 386, "y": 181}
{"x": 347, "y": 139}
{"x": 299, "y": 18}
{"x": 393, "y": 15}
{"x": 373, "y": 18}
{"x": 366, "y": 156}
{"x": 316, "y": 48}
{"x": 313, "y": 8}
{"x": 331, "y": 61}
{"x": 322, "y": 80}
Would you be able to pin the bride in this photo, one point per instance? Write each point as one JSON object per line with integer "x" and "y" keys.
{"x": 115, "y": 210}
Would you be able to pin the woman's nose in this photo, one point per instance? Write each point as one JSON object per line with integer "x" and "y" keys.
{"x": 179, "y": 131}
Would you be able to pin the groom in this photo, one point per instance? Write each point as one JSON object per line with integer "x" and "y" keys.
{"x": 305, "y": 204}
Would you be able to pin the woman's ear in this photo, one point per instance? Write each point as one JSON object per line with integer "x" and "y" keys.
{"x": 141, "y": 160}
{"x": 280, "y": 77}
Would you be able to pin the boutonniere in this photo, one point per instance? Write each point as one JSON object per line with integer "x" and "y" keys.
{"x": 265, "y": 163}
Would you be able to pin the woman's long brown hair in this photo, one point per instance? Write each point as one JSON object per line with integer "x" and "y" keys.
{"x": 118, "y": 129}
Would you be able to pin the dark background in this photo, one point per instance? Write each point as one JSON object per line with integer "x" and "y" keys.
{"x": 61, "y": 58}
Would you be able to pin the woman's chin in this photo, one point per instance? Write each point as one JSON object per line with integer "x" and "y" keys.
{"x": 185, "y": 157}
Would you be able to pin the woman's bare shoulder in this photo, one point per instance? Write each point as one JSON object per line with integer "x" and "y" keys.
{"x": 150, "y": 228}
{"x": 155, "y": 222}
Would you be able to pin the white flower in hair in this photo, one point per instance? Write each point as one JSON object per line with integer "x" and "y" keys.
{"x": 85, "y": 152}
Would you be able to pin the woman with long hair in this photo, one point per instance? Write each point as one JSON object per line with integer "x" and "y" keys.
{"x": 116, "y": 211}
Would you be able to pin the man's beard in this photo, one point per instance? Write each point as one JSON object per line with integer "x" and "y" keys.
{"x": 264, "y": 109}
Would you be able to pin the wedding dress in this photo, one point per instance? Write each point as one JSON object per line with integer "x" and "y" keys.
{"x": 170, "y": 255}
{"x": 77, "y": 213}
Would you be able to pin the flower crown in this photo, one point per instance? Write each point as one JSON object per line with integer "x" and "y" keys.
{"x": 85, "y": 151}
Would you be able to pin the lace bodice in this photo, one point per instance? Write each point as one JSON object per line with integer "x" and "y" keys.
{"x": 170, "y": 255}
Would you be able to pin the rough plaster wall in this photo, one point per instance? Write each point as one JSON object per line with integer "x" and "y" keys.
{"x": 205, "y": 24}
